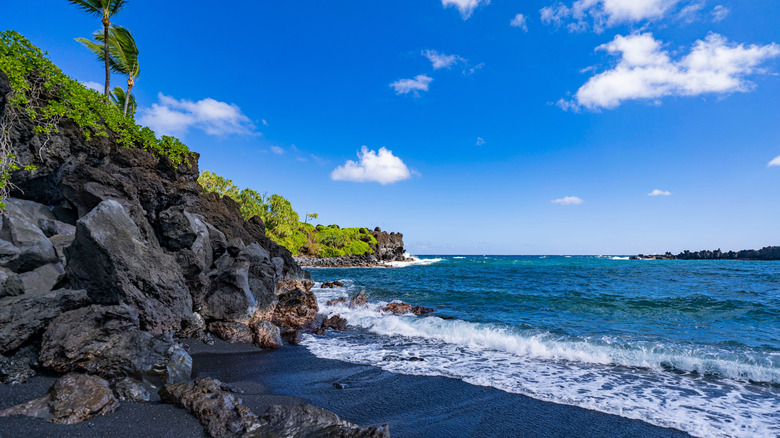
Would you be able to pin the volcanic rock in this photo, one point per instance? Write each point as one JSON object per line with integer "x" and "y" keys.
{"x": 307, "y": 421}
{"x": 221, "y": 413}
{"x": 112, "y": 261}
{"x": 127, "y": 389}
{"x": 106, "y": 340}
{"x": 23, "y": 316}
{"x": 70, "y": 400}
{"x": 40, "y": 279}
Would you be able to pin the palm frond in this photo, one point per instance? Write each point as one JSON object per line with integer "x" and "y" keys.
{"x": 94, "y": 7}
{"x": 122, "y": 50}
{"x": 118, "y": 99}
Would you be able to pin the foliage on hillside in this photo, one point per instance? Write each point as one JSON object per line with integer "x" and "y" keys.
{"x": 45, "y": 94}
{"x": 283, "y": 224}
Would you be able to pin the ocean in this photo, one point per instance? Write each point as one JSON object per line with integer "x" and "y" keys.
{"x": 691, "y": 345}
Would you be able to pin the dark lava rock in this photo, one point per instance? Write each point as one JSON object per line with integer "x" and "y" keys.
{"x": 266, "y": 335}
{"x": 15, "y": 370}
{"x": 70, "y": 400}
{"x": 106, "y": 340}
{"x": 291, "y": 336}
{"x": 296, "y": 309}
{"x": 331, "y": 284}
{"x": 25, "y": 247}
{"x": 221, "y": 413}
{"x": 341, "y": 300}
{"x": 128, "y": 389}
{"x": 335, "y": 322}
{"x": 399, "y": 308}
{"x": 390, "y": 246}
{"x": 231, "y": 331}
{"x": 358, "y": 300}
{"x": 112, "y": 261}
{"x": 23, "y": 316}
{"x": 307, "y": 421}
{"x": 40, "y": 279}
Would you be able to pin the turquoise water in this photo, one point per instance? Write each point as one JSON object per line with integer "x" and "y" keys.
{"x": 693, "y": 345}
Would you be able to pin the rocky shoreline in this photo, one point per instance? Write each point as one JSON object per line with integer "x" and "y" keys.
{"x": 111, "y": 256}
{"x": 766, "y": 253}
{"x": 389, "y": 248}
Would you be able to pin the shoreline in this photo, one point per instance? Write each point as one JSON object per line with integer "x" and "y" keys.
{"x": 411, "y": 405}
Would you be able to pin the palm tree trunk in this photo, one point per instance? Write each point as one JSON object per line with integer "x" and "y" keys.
{"x": 130, "y": 84}
{"x": 106, "y": 24}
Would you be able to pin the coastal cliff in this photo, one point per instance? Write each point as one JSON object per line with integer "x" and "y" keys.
{"x": 111, "y": 254}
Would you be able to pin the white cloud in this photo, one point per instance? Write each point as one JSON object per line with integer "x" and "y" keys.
{"x": 605, "y": 13}
{"x": 659, "y": 192}
{"x": 480, "y": 141}
{"x": 97, "y": 86}
{"x": 690, "y": 13}
{"x": 277, "y": 150}
{"x": 265, "y": 123}
{"x": 171, "y": 116}
{"x": 440, "y": 60}
{"x": 774, "y": 162}
{"x": 405, "y": 86}
{"x": 568, "y": 200}
{"x": 466, "y": 7}
{"x": 719, "y": 13}
{"x": 520, "y": 22}
{"x": 646, "y": 71}
{"x": 382, "y": 167}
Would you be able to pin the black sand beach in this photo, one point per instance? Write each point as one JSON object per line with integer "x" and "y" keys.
{"x": 413, "y": 406}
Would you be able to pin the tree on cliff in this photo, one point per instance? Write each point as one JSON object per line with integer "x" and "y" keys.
{"x": 118, "y": 97}
{"x": 311, "y": 216}
{"x": 104, "y": 9}
{"x": 122, "y": 58}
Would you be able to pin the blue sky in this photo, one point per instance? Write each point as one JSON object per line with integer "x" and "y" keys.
{"x": 485, "y": 132}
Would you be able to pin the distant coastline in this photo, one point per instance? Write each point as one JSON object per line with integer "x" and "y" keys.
{"x": 765, "y": 253}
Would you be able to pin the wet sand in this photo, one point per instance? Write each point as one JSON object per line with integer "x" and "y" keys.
{"x": 413, "y": 406}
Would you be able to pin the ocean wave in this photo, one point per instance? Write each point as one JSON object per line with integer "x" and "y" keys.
{"x": 620, "y": 258}
{"x": 630, "y": 378}
{"x": 413, "y": 262}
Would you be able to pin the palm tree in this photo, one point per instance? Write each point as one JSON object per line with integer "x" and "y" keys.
{"x": 105, "y": 9}
{"x": 123, "y": 55}
{"x": 118, "y": 97}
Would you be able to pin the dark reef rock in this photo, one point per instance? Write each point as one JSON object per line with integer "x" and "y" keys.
{"x": 23, "y": 316}
{"x": 358, "y": 300}
{"x": 131, "y": 270}
{"x": 307, "y": 421}
{"x": 390, "y": 246}
{"x": 221, "y": 413}
{"x": 335, "y": 322}
{"x": 106, "y": 340}
{"x": 127, "y": 389}
{"x": 40, "y": 279}
{"x": 297, "y": 308}
{"x": 331, "y": 284}
{"x": 400, "y": 308}
{"x": 18, "y": 368}
{"x": 70, "y": 400}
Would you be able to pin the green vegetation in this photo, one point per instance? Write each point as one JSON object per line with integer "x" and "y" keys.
{"x": 283, "y": 224}
{"x": 42, "y": 92}
{"x": 105, "y": 9}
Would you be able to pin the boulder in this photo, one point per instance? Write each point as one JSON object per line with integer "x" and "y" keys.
{"x": 70, "y": 400}
{"x": 266, "y": 335}
{"x": 291, "y": 336}
{"x": 331, "y": 284}
{"x": 52, "y": 227}
{"x": 221, "y": 413}
{"x": 106, "y": 340}
{"x": 297, "y": 308}
{"x": 40, "y": 279}
{"x": 33, "y": 212}
{"x": 18, "y": 368}
{"x": 111, "y": 260}
{"x": 34, "y": 248}
{"x": 307, "y": 421}
{"x": 341, "y": 300}
{"x": 335, "y": 322}
{"x": 358, "y": 300}
{"x": 400, "y": 308}
{"x": 233, "y": 332}
{"x": 242, "y": 288}
{"x": 23, "y": 316}
{"x": 127, "y": 389}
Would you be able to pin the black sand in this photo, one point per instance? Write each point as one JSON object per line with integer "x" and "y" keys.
{"x": 413, "y": 406}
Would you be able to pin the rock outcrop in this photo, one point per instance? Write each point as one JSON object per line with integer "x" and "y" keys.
{"x": 70, "y": 400}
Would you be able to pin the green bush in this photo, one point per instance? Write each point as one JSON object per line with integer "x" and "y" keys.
{"x": 45, "y": 94}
